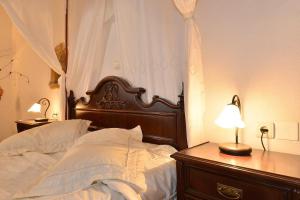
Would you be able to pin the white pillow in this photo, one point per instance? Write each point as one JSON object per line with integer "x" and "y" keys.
{"x": 137, "y": 133}
{"x": 118, "y": 135}
{"x": 100, "y": 155}
{"x": 50, "y": 138}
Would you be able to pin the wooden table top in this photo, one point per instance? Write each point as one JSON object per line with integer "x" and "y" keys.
{"x": 33, "y": 122}
{"x": 271, "y": 162}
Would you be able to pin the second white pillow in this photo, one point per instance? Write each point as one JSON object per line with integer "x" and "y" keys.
{"x": 51, "y": 138}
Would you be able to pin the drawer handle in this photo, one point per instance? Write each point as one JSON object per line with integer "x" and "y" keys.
{"x": 229, "y": 192}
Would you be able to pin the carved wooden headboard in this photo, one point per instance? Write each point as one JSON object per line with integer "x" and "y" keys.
{"x": 115, "y": 104}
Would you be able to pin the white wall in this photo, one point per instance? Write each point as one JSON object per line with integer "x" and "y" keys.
{"x": 252, "y": 48}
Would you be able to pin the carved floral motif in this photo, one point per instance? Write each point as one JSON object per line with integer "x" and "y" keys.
{"x": 111, "y": 99}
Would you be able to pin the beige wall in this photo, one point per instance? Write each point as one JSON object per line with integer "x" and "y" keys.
{"x": 252, "y": 48}
{"x": 30, "y": 64}
{"x": 7, "y": 112}
{"x": 20, "y": 95}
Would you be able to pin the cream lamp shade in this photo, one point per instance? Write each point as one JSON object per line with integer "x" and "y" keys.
{"x": 230, "y": 117}
{"x": 36, "y": 108}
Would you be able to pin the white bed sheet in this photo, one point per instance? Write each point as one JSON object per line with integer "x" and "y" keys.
{"x": 161, "y": 185}
{"x": 19, "y": 172}
{"x": 161, "y": 181}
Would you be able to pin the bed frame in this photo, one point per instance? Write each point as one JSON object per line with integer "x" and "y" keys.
{"x": 116, "y": 104}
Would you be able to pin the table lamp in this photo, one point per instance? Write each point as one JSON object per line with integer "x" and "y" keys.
{"x": 230, "y": 117}
{"x": 37, "y": 107}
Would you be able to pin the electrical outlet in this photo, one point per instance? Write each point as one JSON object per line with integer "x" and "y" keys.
{"x": 55, "y": 116}
{"x": 269, "y": 126}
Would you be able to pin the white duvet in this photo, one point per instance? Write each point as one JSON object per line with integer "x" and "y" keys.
{"x": 18, "y": 172}
{"x": 107, "y": 164}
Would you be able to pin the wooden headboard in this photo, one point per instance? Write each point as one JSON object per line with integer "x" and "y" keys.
{"x": 115, "y": 104}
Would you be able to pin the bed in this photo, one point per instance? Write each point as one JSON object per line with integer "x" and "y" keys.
{"x": 123, "y": 129}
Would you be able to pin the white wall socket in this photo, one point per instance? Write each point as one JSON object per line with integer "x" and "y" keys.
{"x": 269, "y": 126}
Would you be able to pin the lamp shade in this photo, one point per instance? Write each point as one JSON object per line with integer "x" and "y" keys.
{"x": 230, "y": 117}
{"x": 35, "y": 108}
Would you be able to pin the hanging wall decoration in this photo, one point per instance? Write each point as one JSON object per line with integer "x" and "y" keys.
{"x": 15, "y": 74}
{"x": 10, "y": 74}
{"x": 7, "y": 64}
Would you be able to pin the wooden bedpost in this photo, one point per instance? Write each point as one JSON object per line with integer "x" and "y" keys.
{"x": 71, "y": 106}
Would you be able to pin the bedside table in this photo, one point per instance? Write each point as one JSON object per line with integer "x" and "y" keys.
{"x": 23, "y": 125}
{"x": 205, "y": 173}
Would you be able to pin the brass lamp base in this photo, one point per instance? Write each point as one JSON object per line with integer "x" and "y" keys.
{"x": 235, "y": 149}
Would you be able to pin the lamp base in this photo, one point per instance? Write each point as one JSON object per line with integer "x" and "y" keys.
{"x": 41, "y": 119}
{"x": 235, "y": 149}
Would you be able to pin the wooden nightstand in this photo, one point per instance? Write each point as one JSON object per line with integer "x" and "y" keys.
{"x": 205, "y": 173}
{"x": 23, "y": 125}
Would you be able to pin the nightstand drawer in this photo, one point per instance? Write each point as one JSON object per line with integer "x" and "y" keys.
{"x": 208, "y": 185}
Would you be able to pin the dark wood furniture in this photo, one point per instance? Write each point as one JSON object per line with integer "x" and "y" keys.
{"x": 205, "y": 173}
{"x": 23, "y": 125}
{"x": 115, "y": 104}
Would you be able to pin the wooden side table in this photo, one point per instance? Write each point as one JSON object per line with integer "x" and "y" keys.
{"x": 205, "y": 173}
{"x": 23, "y": 125}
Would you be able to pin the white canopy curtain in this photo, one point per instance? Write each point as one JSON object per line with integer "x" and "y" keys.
{"x": 194, "y": 85}
{"x": 150, "y": 37}
{"x": 151, "y": 52}
{"x": 89, "y": 26}
{"x": 34, "y": 20}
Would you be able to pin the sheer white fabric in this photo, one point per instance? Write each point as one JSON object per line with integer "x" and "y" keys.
{"x": 90, "y": 24}
{"x": 34, "y": 20}
{"x": 150, "y": 35}
{"x": 194, "y": 85}
{"x": 149, "y": 46}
